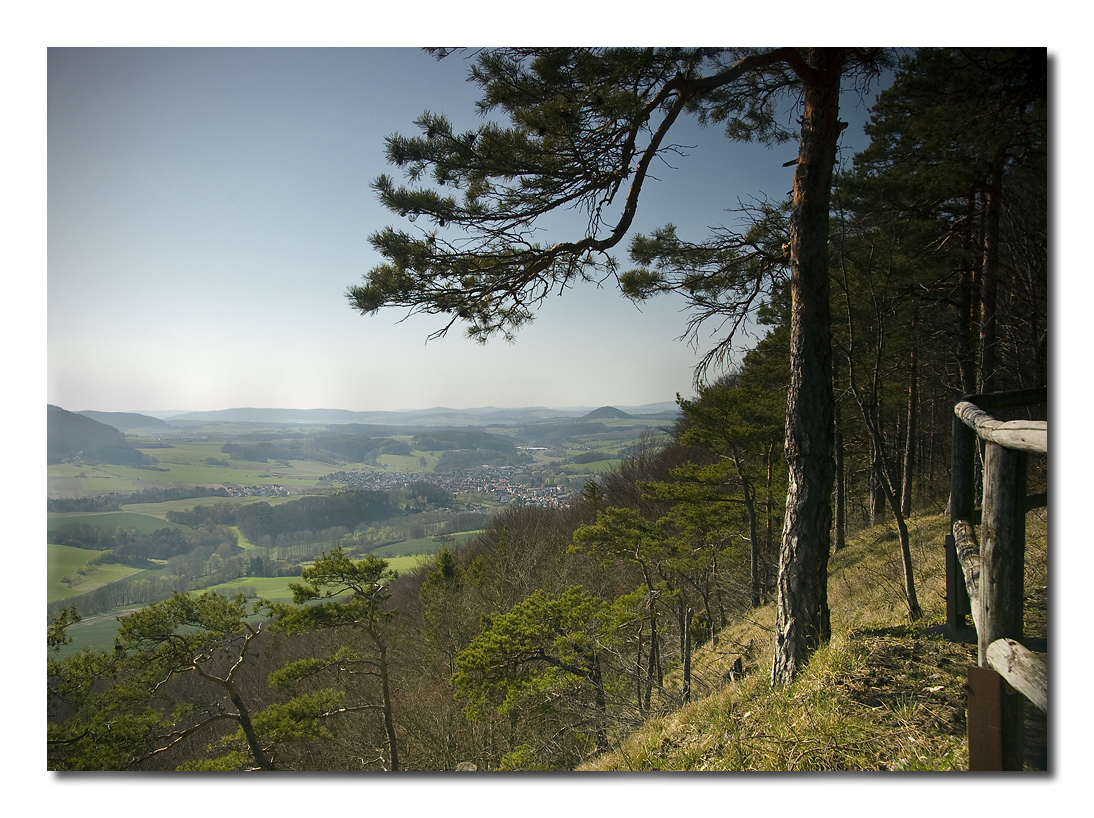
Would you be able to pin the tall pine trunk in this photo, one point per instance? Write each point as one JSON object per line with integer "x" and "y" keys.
{"x": 753, "y": 528}
{"x": 389, "y": 719}
{"x": 909, "y": 443}
{"x": 989, "y": 278}
{"x": 841, "y": 490}
{"x": 803, "y": 619}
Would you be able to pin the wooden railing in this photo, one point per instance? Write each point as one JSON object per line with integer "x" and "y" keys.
{"x": 986, "y": 579}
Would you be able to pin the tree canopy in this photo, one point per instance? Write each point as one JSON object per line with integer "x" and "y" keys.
{"x": 585, "y": 127}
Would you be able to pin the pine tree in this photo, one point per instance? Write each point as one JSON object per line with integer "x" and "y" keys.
{"x": 584, "y": 124}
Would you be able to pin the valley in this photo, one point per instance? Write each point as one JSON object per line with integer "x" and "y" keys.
{"x": 441, "y": 483}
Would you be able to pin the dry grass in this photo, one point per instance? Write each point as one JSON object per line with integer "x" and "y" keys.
{"x": 884, "y": 694}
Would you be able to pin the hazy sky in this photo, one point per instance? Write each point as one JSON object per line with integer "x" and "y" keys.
{"x": 208, "y": 209}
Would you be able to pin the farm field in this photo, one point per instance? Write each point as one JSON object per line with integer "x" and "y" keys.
{"x": 194, "y": 462}
{"x": 197, "y": 457}
{"x": 160, "y": 510}
{"x": 110, "y": 519}
{"x": 98, "y": 631}
{"x": 65, "y": 562}
{"x": 596, "y": 467}
{"x": 277, "y": 588}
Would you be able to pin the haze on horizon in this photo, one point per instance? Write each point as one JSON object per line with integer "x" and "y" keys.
{"x": 208, "y": 208}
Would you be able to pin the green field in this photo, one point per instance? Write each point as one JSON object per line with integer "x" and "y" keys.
{"x": 408, "y": 463}
{"x": 110, "y": 519}
{"x": 277, "y": 588}
{"x": 99, "y": 631}
{"x": 596, "y": 467}
{"x": 64, "y": 562}
{"x": 186, "y": 462}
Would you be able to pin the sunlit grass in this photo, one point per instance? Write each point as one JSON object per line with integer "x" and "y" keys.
{"x": 884, "y": 694}
{"x": 68, "y": 573}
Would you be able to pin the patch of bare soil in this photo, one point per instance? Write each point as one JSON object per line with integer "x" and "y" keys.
{"x": 906, "y": 667}
{"x": 916, "y": 677}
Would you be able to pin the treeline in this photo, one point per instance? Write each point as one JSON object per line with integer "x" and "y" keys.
{"x": 310, "y": 513}
{"x": 328, "y": 447}
{"x": 591, "y": 457}
{"x": 138, "y": 548}
{"x": 84, "y": 504}
{"x": 186, "y": 571}
{"x": 451, "y": 439}
{"x": 114, "y": 502}
{"x": 464, "y": 459}
{"x": 332, "y": 449}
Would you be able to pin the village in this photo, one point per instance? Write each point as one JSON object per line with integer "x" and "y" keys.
{"x": 493, "y": 483}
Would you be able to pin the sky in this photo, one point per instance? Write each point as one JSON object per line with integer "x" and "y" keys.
{"x": 208, "y": 208}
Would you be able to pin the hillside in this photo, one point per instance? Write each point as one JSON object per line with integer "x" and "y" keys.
{"x": 606, "y": 413}
{"x": 435, "y": 416}
{"x": 126, "y": 421}
{"x": 885, "y": 694}
{"x": 70, "y": 435}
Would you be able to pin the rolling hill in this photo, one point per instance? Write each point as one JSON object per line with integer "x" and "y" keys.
{"x": 70, "y": 435}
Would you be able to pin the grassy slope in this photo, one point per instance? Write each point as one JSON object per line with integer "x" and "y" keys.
{"x": 883, "y": 695}
{"x": 68, "y": 573}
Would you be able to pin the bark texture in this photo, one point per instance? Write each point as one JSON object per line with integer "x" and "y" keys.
{"x": 803, "y": 619}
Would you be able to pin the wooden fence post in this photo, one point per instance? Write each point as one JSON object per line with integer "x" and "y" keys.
{"x": 1002, "y": 547}
{"x": 1002, "y": 578}
{"x": 962, "y": 502}
{"x": 993, "y": 573}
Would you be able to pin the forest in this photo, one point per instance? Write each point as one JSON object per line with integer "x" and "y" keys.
{"x": 548, "y": 639}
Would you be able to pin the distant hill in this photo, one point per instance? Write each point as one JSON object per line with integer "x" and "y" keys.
{"x": 435, "y": 416}
{"x": 125, "y": 421}
{"x": 69, "y": 434}
{"x": 606, "y": 413}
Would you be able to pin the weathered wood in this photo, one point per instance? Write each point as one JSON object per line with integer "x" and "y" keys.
{"x": 1002, "y": 575}
{"x": 1002, "y": 547}
{"x": 995, "y": 723}
{"x": 962, "y": 507}
{"x": 993, "y": 572}
{"x": 968, "y": 557}
{"x": 985, "y": 720}
{"x": 1023, "y": 435}
{"x": 1024, "y": 670}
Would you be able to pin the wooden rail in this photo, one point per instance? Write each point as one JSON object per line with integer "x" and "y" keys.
{"x": 986, "y": 579}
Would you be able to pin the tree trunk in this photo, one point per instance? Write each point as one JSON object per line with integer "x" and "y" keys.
{"x": 914, "y": 611}
{"x": 963, "y": 328}
{"x": 909, "y": 446}
{"x": 654, "y": 675}
{"x": 249, "y": 730}
{"x": 989, "y": 279}
{"x": 687, "y": 655}
{"x": 769, "y": 537}
{"x": 389, "y": 720}
{"x": 877, "y": 491}
{"x": 601, "y": 704}
{"x": 753, "y": 527}
{"x": 803, "y": 619}
{"x": 841, "y": 490}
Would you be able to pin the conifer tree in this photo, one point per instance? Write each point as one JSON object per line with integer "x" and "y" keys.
{"x": 338, "y": 592}
{"x": 586, "y": 126}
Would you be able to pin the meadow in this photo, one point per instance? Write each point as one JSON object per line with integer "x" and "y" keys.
{"x": 110, "y": 520}
{"x": 68, "y": 573}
